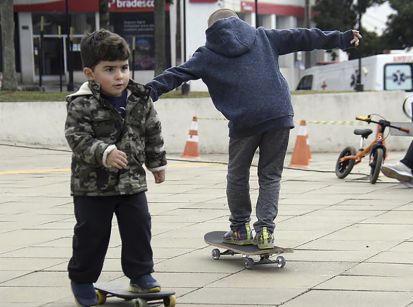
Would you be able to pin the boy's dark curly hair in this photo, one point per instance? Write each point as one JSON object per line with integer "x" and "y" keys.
{"x": 103, "y": 45}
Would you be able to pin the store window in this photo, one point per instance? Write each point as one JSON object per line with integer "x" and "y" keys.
{"x": 50, "y": 52}
{"x": 140, "y": 28}
{"x": 81, "y": 23}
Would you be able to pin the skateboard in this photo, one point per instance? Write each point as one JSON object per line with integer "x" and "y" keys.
{"x": 215, "y": 238}
{"x": 113, "y": 289}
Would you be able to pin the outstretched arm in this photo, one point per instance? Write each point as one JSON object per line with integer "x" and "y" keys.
{"x": 175, "y": 76}
{"x": 292, "y": 40}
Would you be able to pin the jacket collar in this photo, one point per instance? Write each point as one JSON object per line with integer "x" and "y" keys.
{"x": 92, "y": 88}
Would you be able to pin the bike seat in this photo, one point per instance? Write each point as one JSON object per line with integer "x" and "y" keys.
{"x": 363, "y": 132}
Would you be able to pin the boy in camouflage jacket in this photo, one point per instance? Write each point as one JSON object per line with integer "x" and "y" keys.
{"x": 112, "y": 129}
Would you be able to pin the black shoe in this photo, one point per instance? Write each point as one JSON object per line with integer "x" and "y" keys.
{"x": 84, "y": 294}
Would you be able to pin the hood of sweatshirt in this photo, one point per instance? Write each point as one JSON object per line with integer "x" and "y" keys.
{"x": 230, "y": 37}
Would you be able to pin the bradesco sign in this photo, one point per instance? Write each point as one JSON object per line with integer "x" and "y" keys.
{"x": 131, "y": 5}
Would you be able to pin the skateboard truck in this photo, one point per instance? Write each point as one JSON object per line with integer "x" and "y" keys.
{"x": 249, "y": 262}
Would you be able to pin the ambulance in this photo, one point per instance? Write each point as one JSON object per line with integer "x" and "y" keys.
{"x": 382, "y": 72}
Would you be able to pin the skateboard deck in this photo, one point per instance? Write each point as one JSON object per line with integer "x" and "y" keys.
{"x": 113, "y": 289}
{"x": 215, "y": 238}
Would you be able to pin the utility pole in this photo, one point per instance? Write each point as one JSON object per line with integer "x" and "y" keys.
{"x": 359, "y": 84}
{"x": 307, "y": 19}
{"x": 185, "y": 88}
{"x": 70, "y": 86}
{"x": 256, "y": 13}
{"x": 159, "y": 13}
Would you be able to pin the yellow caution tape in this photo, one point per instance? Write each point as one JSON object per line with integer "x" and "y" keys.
{"x": 336, "y": 122}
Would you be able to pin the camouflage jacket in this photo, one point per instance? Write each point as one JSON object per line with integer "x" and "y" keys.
{"x": 92, "y": 124}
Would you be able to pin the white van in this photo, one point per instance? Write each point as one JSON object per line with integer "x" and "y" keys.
{"x": 383, "y": 72}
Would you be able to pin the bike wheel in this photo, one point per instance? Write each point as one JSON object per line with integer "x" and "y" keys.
{"x": 344, "y": 168}
{"x": 407, "y": 106}
{"x": 376, "y": 160}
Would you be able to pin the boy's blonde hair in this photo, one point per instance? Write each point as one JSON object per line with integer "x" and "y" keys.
{"x": 103, "y": 45}
{"x": 220, "y": 14}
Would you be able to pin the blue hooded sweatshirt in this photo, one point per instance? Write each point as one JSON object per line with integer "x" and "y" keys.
{"x": 239, "y": 65}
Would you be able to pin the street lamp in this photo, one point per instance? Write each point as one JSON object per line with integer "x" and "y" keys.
{"x": 70, "y": 86}
{"x": 359, "y": 85}
{"x": 256, "y": 13}
{"x": 185, "y": 88}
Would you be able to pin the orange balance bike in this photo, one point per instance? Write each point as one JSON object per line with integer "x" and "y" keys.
{"x": 376, "y": 150}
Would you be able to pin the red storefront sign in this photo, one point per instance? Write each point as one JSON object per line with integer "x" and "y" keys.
{"x": 87, "y": 6}
{"x": 116, "y": 6}
{"x": 269, "y": 8}
{"x": 56, "y": 6}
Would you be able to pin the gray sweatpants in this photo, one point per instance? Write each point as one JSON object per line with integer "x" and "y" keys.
{"x": 272, "y": 146}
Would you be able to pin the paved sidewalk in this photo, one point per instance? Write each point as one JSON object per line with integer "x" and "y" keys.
{"x": 353, "y": 240}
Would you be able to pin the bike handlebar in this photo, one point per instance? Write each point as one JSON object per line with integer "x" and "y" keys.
{"x": 382, "y": 122}
{"x": 364, "y": 118}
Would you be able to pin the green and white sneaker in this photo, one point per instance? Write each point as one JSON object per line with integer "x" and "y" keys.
{"x": 264, "y": 239}
{"x": 240, "y": 236}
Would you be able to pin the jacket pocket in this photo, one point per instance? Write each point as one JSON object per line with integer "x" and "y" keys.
{"x": 106, "y": 180}
{"x": 86, "y": 179}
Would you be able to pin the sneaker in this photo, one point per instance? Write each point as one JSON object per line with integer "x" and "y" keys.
{"x": 264, "y": 239}
{"x": 240, "y": 236}
{"x": 84, "y": 294}
{"x": 397, "y": 171}
{"x": 144, "y": 284}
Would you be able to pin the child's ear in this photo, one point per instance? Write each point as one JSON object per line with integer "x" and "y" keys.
{"x": 88, "y": 72}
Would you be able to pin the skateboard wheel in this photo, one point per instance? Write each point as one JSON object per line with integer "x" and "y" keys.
{"x": 280, "y": 260}
{"x": 101, "y": 297}
{"x": 216, "y": 254}
{"x": 140, "y": 303}
{"x": 248, "y": 263}
{"x": 169, "y": 301}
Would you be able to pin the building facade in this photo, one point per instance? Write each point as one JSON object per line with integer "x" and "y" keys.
{"x": 42, "y": 50}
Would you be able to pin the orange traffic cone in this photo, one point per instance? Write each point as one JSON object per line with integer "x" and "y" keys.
{"x": 191, "y": 149}
{"x": 301, "y": 154}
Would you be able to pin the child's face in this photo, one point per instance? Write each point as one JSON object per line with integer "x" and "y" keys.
{"x": 113, "y": 76}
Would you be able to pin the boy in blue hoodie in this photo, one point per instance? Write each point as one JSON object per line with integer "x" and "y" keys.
{"x": 239, "y": 65}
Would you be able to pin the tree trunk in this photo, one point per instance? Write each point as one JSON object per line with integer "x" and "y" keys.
{"x": 7, "y": 41}
{"x": 160, "y": 37}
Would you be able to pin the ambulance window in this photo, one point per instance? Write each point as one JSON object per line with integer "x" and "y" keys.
{"x": 306, "y": 83}
{"x": 398, "y": 77}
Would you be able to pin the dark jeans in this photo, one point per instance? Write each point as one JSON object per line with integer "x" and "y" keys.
{"x": 92, "y": 234}
{"x": 408, "y": 158}
{"x": 273, "y": 146}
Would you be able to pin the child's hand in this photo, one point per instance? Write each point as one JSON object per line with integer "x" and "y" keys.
{"x": 356, "y": 38}
{"x": 159, "y": 176}
{"x": 117, "y": 159}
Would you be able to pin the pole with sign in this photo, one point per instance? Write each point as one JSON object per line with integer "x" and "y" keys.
{"x": 61, "y": 55}
{"x": 70, "y": 86}
{"x": 41, "y": 52}
{"x": 185, "y": 86}
{"x": 133, "y": 57}
{"x": 256, "y": 13}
